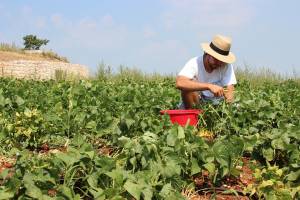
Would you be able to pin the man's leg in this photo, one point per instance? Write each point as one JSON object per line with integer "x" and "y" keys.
{"x": 190, "y": 99}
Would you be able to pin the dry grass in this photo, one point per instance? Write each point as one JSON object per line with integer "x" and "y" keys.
{"x": 10, "y": 47}
{"x": 106, "y": 72}
{"x": 45, "y": 56}
{"x": 54, "y": 56}
{"x": 259, "y": 77}
{"x": 10, "y": 52}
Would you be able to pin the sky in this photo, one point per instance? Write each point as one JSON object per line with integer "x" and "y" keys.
{"x": 159, "y": 35}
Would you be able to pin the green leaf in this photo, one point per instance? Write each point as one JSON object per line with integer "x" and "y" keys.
{"x": 149, "y": 137}
{"x": 195, "y": 167}
{"x": 134, "y": 189}
{"x": 166, "y": 190}
{"x": 250, "y": 142}
{"x": 2, "y": 100}
{"x": 129, "y": 122}
{"x": 80, "y": 117}
{"x": 27, "y": 112}
{"x": 277, "y": 143}
{"x": 148, "y": 193}
{"x": 133, "y": 161}
{"x": 77, "y": 197}
{"x": 253, "y": 130}
{"x": 293, "y": 176}
{"x": 271, "y": 115}
{"x": 31, "y": 189}
{"x": 105, "y": 163}
{"x": 94, "y": 190}
{"x": 171, "y": 168}
{"x": 284, "y": 194}
{"x": 5, "y": 194}
{"x": 266, "y": 183}
{"x": 91, "y": 154}
{"x": 117, "y": 175}
{"x": 171, "y": 139}
{"x": 211, "y": 168}
{"x": 66, "y": 191}
{"x": 268, "y": 154}
{"x": 4, "y": 173}
{"x": 19, "y": 101}
{"x": 68, "y": 159}
{"x": 97, "y": 194}
{"x": 93, "y": 180}
{"x": 180, "y": 132}
{"x": 91, "y": 125}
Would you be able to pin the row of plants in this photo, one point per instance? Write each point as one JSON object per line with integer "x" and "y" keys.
{"x": 147, "y": 157}
{"x": 267, "y": 119}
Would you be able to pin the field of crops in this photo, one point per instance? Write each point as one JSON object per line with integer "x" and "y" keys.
{"x": 105, "y": 139}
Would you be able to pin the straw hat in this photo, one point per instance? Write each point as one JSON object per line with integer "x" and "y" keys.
{"x": 220, "y": 49}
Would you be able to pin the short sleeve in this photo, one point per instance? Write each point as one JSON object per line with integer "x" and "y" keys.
{"x": 190, "y": 69}
{"x": 229, "y": 76}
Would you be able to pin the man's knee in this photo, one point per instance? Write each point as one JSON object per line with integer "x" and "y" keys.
{"x": 190, "y": 98}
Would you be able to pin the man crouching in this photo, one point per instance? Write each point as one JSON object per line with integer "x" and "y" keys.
{"x": 203, "y": 78}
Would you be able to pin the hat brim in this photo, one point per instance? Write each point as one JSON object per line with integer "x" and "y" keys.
{"x": 230, "y": 58}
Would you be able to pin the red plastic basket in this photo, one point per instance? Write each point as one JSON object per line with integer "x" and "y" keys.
{"x": 181, "y": 117}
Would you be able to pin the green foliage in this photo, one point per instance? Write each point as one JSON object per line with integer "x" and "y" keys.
{"x": 270, "y": 184}
{"x": 31, "y": 42}
{"x": 149, "y": 158}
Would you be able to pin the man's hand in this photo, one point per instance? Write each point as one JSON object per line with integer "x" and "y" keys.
{"x": 216, "y": 90}
{"x": 229, "y": 94}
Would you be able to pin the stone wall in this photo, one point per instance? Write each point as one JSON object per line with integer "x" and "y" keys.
{"x": 43, "y": 70}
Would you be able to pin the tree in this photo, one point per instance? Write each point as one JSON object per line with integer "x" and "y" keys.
{"x": 31, "y": 42}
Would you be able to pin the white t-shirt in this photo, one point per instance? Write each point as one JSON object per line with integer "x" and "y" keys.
{"x": 194, "y": 69}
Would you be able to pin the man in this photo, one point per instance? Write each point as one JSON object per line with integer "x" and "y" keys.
{"x": 203, "y": 77}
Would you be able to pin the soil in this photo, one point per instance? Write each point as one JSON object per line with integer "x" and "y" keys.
{"x": 103, "y": 148}
{"x": 219, "y": 197}
{"x": 6, "y": 163}
{"x": 205, "y": 187}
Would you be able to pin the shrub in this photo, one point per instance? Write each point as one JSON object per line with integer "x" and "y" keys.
{"x": 31, "y": 42}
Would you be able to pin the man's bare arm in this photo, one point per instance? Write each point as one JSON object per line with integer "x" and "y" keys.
{"x": 229, "y": 93}
{"x": 184, "y": 83}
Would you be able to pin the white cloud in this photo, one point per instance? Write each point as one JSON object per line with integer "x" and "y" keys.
{"x": 163, "y": 56}
{"x": 87, "y": 23}
{"x": 98, "y": 35}
{"x": 26, "y": 20}
{"x": 40, "y": 22}
{"x": 148, "y": 32}
{"x": 207, "y": 13}
{"x": 105, "y": 38}
{"x": 104, "y": 33}
{"x": 107, "y": 20}
{"x": 56, "y": 19}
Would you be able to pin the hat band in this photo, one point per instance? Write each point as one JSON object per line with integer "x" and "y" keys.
{"x": 220, "y": 51}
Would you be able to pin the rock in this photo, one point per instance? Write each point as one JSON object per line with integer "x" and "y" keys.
{"x": 42, "y": 70}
